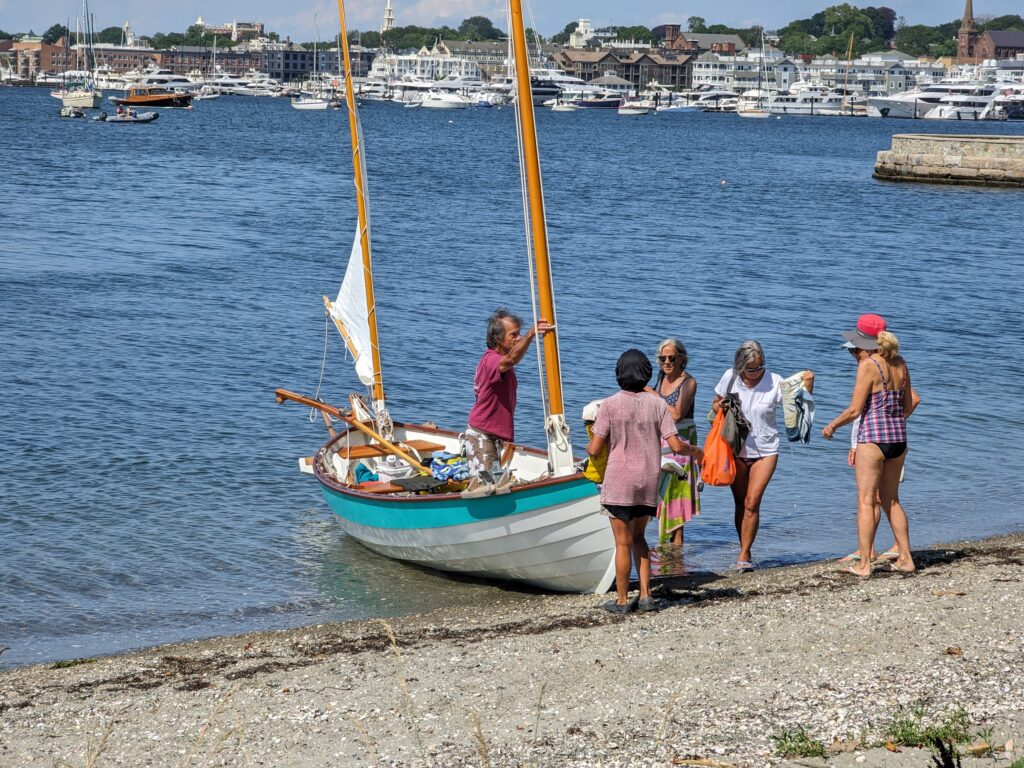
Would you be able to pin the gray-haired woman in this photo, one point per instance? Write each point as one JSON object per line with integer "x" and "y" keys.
{"x": 759, "y": 392}
{"x": 680, "y": 497}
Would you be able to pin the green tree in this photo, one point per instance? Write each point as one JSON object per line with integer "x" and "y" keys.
{"x": 796, "y": 41}
{"x": 883, "y": 22}
{"x": 533, "y": 38}
{"x": 479, "y": 28}
{"x": 1009, "y": 22}
{"x": 6, "y": 35}
{"x": 638, "y": 33}
{"x": 196, "y": 35}
{"x": 110, "y": 36}
{"x": 55, "y": 33}
{"x": 915, "y": 40}
{"x": 841, "y": 20}
{"x": 563, "y": 37}
{"x": 365, "y": 39}
{"x": 696, "y": 24}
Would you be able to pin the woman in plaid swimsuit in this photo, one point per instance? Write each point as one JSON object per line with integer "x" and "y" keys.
{"x": 883, "y": 398}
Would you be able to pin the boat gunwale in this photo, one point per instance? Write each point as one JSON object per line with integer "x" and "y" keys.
{"x": 334, "y": 485}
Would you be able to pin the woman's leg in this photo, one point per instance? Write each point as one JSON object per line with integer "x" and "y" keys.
{"x": 623, "y": 558}
{"x": 889, "y": 492}
{"x": 739, "y": 495}
{"x": 641, "y": 554}
{"x": 758, "y": 475}
{"x": 869, "y": 471}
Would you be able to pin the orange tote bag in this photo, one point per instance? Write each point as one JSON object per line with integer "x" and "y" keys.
{"x": 719, "y": 465}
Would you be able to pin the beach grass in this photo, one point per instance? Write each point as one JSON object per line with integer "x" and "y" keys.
{"x": 910, "y": 729}
{"x": 796, "y": 742}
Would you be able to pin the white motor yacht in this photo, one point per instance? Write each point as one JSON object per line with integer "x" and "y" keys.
{"x": 810, "y": 100}
{"x": 310, "y": 102}
{"x": 918, "y": 102}
{"x": 444, "y": 100}
{"x": 973, "y": 104}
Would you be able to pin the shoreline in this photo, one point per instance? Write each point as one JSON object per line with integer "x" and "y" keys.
{"x": 730, "y": 662}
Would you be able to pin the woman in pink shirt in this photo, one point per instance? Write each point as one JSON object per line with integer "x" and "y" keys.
{"x": 632, "y": 423}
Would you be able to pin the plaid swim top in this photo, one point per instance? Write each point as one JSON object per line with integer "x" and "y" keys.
{"x": 882, "y": 420}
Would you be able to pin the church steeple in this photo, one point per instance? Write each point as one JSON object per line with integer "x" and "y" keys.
{"x": 967, "y": 35}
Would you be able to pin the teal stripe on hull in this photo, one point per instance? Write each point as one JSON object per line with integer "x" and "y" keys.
{"x": 379, "y": 513}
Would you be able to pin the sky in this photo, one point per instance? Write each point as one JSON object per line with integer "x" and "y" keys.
{"x": 295, "y": 18}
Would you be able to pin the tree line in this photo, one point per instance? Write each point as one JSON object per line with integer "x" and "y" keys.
{"x": 826, "y": 32}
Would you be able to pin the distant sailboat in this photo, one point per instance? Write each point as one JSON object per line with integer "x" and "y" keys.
{"x": 537, "y": 520}
{"x": 755, "y": 103}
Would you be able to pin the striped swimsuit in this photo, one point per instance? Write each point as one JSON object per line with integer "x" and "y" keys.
{"x": 882, "y": 421}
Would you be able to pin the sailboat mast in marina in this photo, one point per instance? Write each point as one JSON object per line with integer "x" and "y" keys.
{"x": 537, "y": 520}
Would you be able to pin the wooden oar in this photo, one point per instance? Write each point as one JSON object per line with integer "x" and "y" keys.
{"x": 283, "y": 394}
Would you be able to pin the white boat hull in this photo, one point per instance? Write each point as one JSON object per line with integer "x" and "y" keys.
{"x": 548, "y": 533}
{"x": 310, "y": 104}
{"x": 82, "y": 99}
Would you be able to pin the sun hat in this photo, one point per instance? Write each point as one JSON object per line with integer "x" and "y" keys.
{"x": 590, "y": 410}
{"x": 865, "y": 335}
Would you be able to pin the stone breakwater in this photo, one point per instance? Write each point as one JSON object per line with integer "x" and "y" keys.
{"x": 991, "y": 161}
{"x": 731, "y": 661}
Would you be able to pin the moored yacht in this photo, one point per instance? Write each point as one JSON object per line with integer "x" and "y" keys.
{"x": 810, "y": 100}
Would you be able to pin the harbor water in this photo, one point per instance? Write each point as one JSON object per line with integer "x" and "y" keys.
{"x": 157, "y": 282}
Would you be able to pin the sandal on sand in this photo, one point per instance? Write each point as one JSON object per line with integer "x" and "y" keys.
{"x": 851, "y": 572}
{"x": 612, "y": 607}
{"x": 853, "y": 557}
{"x": 889, "y": 554}
{"x": 743, "y": 566}
{"x": 648, "y": 604}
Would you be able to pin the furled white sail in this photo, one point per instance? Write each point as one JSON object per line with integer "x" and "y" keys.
{"x": 352, "y": 315}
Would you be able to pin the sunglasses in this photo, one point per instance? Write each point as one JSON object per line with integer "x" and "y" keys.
{"x": 754, "y": 369}
{"x": 666, "y": 358}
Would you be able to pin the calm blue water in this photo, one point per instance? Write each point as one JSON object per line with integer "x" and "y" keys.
{"x": 158, "y": 282}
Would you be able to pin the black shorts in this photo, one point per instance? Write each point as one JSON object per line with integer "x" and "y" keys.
{"x": 629, "y": 512}
{"x": 892, "y": 450}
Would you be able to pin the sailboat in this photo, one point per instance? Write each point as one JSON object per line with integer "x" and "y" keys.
{"x": 313, "y": 99}
{"x": 755, "y": 103}
{"x": 535, "y": 520}
{"x": 83, "y": 92}
{"x": 208, "y": 92}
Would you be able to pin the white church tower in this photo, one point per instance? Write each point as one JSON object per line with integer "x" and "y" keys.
{"x": 388, "y": 22}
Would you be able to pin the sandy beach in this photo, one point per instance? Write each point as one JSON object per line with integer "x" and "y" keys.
{"x": 729, "y": 669}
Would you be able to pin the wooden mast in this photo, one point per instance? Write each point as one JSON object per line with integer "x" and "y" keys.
{"x": 559, "y": 448}
{"x": 364, "y": 229}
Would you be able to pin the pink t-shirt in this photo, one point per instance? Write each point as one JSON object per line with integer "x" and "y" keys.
{"x": 495, "y": 404}
{"x": 633, "y": 424}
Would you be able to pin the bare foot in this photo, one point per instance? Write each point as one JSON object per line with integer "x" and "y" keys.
{"x": 860, "y": 573}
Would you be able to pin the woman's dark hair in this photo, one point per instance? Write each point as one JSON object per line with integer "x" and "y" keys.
{"x": 496, "y": 326}
{"x": 633, "y": 370}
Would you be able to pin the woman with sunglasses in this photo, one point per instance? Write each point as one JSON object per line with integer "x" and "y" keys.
{"x": 680, "y": 496}
{"x": 883, "y": 398}
{"x": 759, "y": 392}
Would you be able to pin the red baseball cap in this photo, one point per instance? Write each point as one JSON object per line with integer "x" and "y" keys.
{"x": 865, "y": 335}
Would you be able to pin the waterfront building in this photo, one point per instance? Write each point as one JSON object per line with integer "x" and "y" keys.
{"x": 29, "y": 57}
{"x": 740, "y": 73}
{"x": 189, "y": 59}
{"x": 234, "y": 30}
{"x": 636, "y": 67}
{"x": 608, "y": 37}
{"x": 435, "y": 63}
{"x": 694, "y": 43}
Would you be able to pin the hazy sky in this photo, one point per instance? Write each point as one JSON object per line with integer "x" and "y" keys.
{"x": 295, "y": 17}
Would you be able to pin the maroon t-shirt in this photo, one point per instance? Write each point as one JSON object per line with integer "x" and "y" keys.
{"x": 495, "y": 397}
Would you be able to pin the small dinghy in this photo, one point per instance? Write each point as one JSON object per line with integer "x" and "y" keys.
{"x": 128, "y": 117}
{"x": 71, "y": 112}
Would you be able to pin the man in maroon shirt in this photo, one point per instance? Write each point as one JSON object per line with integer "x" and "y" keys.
{"x": 491, "y": 421}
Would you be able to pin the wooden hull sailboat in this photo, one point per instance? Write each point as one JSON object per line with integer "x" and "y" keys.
{"x": 538, "y": 521}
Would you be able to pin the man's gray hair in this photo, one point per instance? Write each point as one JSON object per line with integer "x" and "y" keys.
{"x": 747, "y": 352}
{"x": 496, "y": 326}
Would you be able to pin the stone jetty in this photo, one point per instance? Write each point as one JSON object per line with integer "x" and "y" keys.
{"x": 989, "y": 161}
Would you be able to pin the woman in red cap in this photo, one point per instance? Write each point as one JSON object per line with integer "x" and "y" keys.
{"x": 883, "y": 398}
